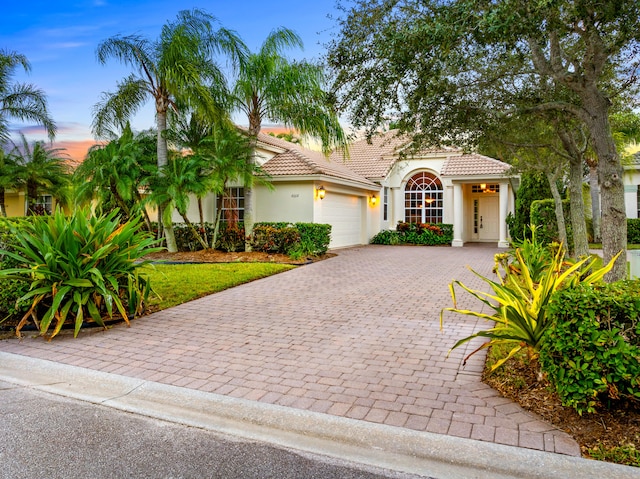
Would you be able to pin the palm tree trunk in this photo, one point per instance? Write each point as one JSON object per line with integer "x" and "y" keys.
{"x": 32, "y": 195}
{"x": 255, "y": 123}
{"x": 3, "y": 207}
{"x": 162, "y": 150}
{"x": 202, "y": 228}
{"x": 216, "y": 228}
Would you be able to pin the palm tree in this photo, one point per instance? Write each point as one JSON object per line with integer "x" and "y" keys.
{"x": 181, "y": 177}
{"x": 174, "y": 69}
{"x": 219, "y": 153}
{"x": 41, "y": 170}
{"x": 8, "y": 177}
{"x": 113, "y": 174}
{"x": 269, "y": 86}
{"x": 20, "y": 100}
{"x": 230, "y": 152}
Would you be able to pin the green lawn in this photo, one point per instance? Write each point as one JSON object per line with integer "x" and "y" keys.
{"x": 178, "y": 283}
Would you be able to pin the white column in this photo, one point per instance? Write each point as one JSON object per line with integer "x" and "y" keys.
{"x": 396, "y": 212}
{"x": 631, "y": 200}
{"x": 503, "y": 242}
{"x": 457, "y": 215}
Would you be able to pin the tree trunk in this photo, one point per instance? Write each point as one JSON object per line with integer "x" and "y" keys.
{"x": 557, "y": 200}
{"x": 32, "y": 195}
{"x": 162, "y": 150}
{"x": 610, "y": 179}
{"x": 594, "y": 189}
{"x": 3, "y": 207}
{"x": 255, "y": 123}
{"x": 202, "y": 228}
{"x": 578, "y": 223}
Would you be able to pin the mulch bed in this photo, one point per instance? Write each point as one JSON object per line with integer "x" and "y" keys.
{"x": 215, "y": 256}
{"x": 612, "y": 426}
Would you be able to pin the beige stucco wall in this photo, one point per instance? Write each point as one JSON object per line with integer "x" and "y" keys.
{"x": 14, "y": 203}
{"x": 289, "y": 201}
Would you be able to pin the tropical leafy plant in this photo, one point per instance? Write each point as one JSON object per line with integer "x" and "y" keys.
{"x": 520, "y": 304}
{"x": 79, "y": 267}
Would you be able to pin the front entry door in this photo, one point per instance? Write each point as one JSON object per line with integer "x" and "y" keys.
{"x": 488, "y": 211}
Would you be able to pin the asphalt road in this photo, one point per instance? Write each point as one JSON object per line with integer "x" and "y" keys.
{"x": 45, "y": 436}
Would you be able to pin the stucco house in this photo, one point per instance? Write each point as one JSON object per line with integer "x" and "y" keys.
{"x": 376, "y": 186}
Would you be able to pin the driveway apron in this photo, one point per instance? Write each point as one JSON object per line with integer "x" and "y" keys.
{"x": 357, "y": 335}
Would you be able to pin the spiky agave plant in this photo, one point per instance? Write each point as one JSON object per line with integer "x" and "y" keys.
{"x": 520, "y": 305}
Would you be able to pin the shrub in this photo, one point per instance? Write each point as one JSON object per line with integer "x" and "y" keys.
{"x": 633, "y": 230}
{"x": 316, "y": 234}
{"x": 185, "y": 240}
{"x": 77, "y": 267}
{"x": 302, "y": 249}
{"x": 311, "y": 238}
{"x": 386, "y": 237}
{"x": 231, "y": 238}
{"x": 416, "y": 233}
{"x": 543, "y": 215}
{"x": 591, "y": 351}
{"x": 10, "y": 290}
{"x": 270, "y": 239}
{"x": 533, "y": 186}
{"x": 520, "y": 302}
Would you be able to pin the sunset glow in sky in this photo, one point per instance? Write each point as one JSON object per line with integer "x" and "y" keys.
{"x": 60, "y": 37}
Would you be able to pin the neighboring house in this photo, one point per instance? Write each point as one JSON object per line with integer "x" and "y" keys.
{"x": 376, "y": 187}
{"x": 16, "y": 202}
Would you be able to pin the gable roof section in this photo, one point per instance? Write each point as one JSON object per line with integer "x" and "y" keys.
{"x": 474, "y": 165}
{"x": 268, "y": 140}
{"x": 297, "y": 161}
{"x": 373, "y": 158}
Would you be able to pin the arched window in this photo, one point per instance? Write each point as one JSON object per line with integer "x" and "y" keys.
{"x": 423, "y": 199}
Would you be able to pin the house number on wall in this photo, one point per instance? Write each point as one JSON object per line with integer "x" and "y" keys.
{"x": 295, "y": 195}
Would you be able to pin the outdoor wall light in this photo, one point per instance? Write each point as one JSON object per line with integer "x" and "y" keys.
{"x": 321, "y": 192}
{"x": 374, "y": 200}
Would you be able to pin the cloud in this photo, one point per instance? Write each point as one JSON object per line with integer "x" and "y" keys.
{"x": 77, "y": 150}
{"x": 65, "y": 45}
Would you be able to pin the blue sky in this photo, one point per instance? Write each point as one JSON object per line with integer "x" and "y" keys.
{"x": 60, "y": 37}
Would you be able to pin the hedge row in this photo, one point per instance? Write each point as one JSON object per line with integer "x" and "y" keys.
{"x": 591, "y": 350}
{"x": 543, "y": 215}
{"x": 308, "y": 238}
{"x": 416, "y": 233}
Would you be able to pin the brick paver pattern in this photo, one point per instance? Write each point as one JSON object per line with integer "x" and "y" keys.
{"x": 357, "y": 336}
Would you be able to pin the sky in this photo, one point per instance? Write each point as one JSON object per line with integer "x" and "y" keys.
{"x": 59, "y": 38}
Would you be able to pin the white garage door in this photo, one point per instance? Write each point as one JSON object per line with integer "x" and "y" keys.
{"x": 344, "y": 214}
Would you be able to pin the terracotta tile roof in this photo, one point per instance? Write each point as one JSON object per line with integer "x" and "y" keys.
{"x": 472, "y": 165}
{"x": 374, "y": 157}
{"x": 277, "y": 142}
{"x": 298, "y": 161}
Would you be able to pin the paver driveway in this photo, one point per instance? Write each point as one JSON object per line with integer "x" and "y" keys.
{"x": 357, "y": 336}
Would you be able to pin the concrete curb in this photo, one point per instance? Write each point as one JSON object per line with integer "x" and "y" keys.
{"x": 376, "y": 445}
